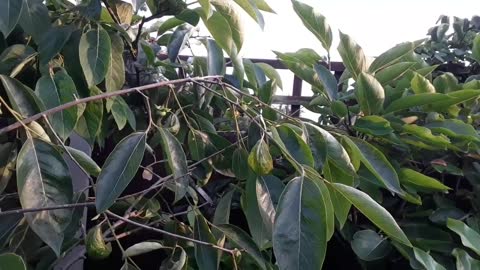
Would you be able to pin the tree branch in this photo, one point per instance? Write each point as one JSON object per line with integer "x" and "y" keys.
{"x": 146, "y": 227}
{"x": 65, "y": 106}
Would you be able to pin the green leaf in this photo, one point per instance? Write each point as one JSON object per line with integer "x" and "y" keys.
{"x": 231, "y": 14}
{"x": 415, "y": 100}
{"x": 373, "y": 125}
{"x": 426, "y": 135}
{"x": 447, "y": 82}
{"x": 268, "y": 190}
{"x": 119, "y": 169}
{"x": 222, "y": 212}
{"x": 251, "y": 9}
{"x": 259, "y": 159}
{"x": 352, "y": 55}
{"x": 240, "y": 163}
{"x": 464, "y": 261}
{"x": 370, "y": 94}
{"x": 376, "y": 162}
{"x": 34, "y": 19}
{"x": 205, "y": 4}
{"x": 391, "y": 56}
{"x": 328, "y": 80}
{"x": 324, "y": 146}
{"x": 421, "y": 85}
{"x": 8, "y": 226}
{"x": 243, "y": 240}
{"x": 8, "y": 157}
{"x": 426, "y": 260}
{"x": 115, "y": 76}
{"x": 169, "y": 24}
{"x": 55, "y": 90}
{"x": 13, "y": 56}
{"x": 369, "y": 246}
{"x": 393, "y": 72}
{"x": 455, "y": 129}
{"x": 52, "y": 42}
{"x": 295, "y": 145}
{"x": 221, "y": 31}
{"x": 456, "y": 97}
{"x": 95, "y": 53}
{"x": 96, "y": 247}
{"x": 251, "y": 208}
{"x": 197, "y": 142}
{"x": 470, "y": 238}
{"x": 124, "y": 11}
{"x": 22, "y": 99}
{"x": 262, "y": 5}
{"x": 215, "y": 59}
{"x": 315, "y": 23}
{"x": 43, "y": 180}
{"x": 89, "y": 124}
{"x": 341, "y": 206}
{"x": 271, "y": 73}
{"x": 419, "y": 180}
{"x": 177, "y": 162}
{"x": 176, "y": 261}
{"x": 10, "y": 11}
{"x": 373, "y": 211}
{"x": 121, "y": 112}
{"x": 177, "y": 41}
{"x": 206, "y": 256}
{"x": 142, "y": 248}
{"x": 85, "y": 161}
{"x": 301, "y": 64}
{"x": 475, "y": 47}
{"x": 11, "y": 261}
{"x": 300, "y": 231}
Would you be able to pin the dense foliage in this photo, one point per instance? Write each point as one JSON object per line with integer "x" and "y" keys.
{"x": 193, "y": 164}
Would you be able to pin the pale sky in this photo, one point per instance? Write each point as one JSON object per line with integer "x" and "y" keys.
{"x": 375, "y": 25}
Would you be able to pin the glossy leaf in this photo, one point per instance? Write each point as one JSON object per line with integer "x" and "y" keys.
{"x": 52, "y": 42}
{"x": 300, "y": 231}
{"x": 352, "y": 55}
{"x": 40, "y": 186}
{"x": 55, "y": 90}
{"x": 251, "y": 9}
{"x": 370, "y": 94}
{"x": 177, "y": 41}
{"x": 470, "y": 238}
{"x": 121, "y": 112}
{"x": 464, "y": 261}
{"x": 89, "y": 124}
{"x": 328, "y": 80}
{"x": 11, "y": 261}
{"x": 426, "y": 260}
{"x": 22, "y": 99}
{"x": 376, "y": 162}
{"x": 243, "y": 240}
{"x": 221, "y": 31}
{"x": 455, "y": 129}
{"x": 115, "y": 76}
{"x": 373, "y": 125}
{"x": 142, "y": 248}
{"x": 177, "y": 162}
{"x": 251, "y": 208}
{"x": 392, "y": 56}
{"x": 369, "y": 246}
{"x": 10, "y": 11}
{"x": 268, "y": 190}
{"x": 119, "y": 169}
{"x": 475, "y": 48}
{"x": 301, "y": 63}
{"x": 421, "y": 85}
{"x": 393, "y": 72}
{"x": 95, "y": 55}
{"x": 206, "y": 256}
{"x": 373, "y": 211}
{"x": 259, "y": 159}
{"x": 85, "y": 161}
{"x": 231, "y": 14}
{"x": 416, "y": 179}
{"x": 34, "y": 19}
{"x": 315, "y": 23}
{"x": 295, "y": 145}
{"x": 14, "y": 56}
{"x": 415, "y": 100}
{"x": 176, "y": 261}
{"x": 271, "y": 73}
{"x": 215, "y": 58}
{"x": 240, "y": 163}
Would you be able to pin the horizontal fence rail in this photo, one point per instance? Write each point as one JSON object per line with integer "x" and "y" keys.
{"x": 296, "y": 100}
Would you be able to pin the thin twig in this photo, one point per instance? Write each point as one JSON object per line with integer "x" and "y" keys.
{"x": 65, "y": 106}
{"x": 146, "y": 227}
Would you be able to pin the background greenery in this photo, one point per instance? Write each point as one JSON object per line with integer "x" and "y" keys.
{"x": 191, "y": 166}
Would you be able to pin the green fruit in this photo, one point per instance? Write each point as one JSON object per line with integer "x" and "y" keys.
{"x": 96, "y": 247}
{"x": 339, "y": 108}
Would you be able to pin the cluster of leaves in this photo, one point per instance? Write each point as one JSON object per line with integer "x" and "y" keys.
{"x": 227, "y": 181}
